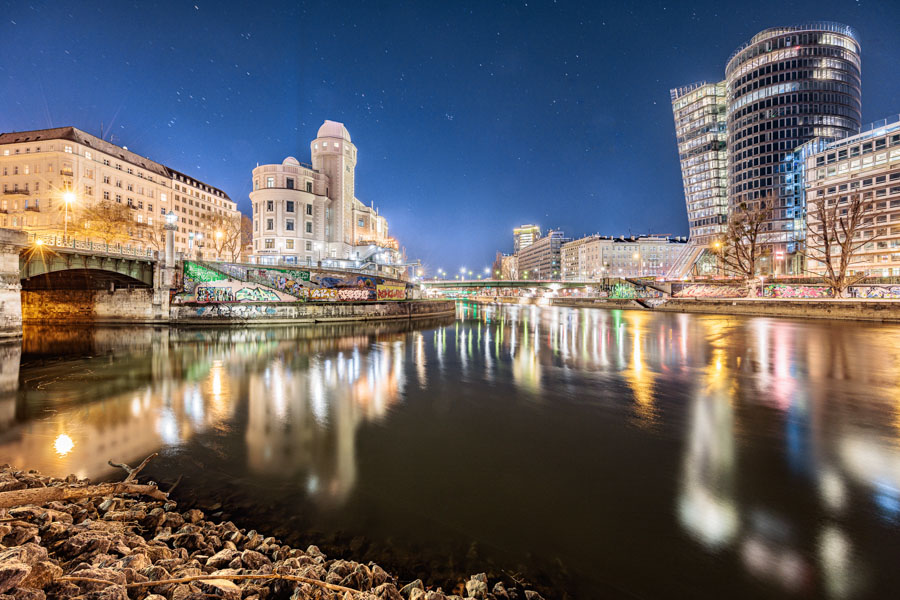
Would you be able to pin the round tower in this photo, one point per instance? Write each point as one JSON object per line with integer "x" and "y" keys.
{"x": 334, "y": 154}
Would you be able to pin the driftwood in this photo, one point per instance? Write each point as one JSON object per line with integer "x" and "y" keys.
{"x": 39, "y": 496}
{"x": 267, "y": 576}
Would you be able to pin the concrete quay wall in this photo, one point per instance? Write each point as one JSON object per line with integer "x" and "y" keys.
{"x": 886, "y": 311}
{"x": 137, "y": 305}
{"x": 308, "y": 312}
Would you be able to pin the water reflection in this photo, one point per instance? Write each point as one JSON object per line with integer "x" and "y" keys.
{"x": 771, "y": 444}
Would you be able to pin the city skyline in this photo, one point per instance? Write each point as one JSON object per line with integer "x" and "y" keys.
{"x": 494, "y": 97}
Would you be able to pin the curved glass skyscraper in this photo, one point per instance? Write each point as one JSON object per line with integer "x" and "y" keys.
{"x": 785, "y": 87}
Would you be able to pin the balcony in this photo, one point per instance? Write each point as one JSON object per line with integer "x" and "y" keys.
{"x": 33, "y": 208}
{"x": 17, "y": 192}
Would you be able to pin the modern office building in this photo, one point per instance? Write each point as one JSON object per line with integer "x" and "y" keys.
{"x": 50, "y": 175}
{"x": 309, "y": 214}
{"x": 524, "y": 236}
{"x": 541, "y": 259}
{"x": 700, "y": 113}
{"x": 596, "y": 257}
{"x": 783, "y": 88}
{"x": 868, "y": 166}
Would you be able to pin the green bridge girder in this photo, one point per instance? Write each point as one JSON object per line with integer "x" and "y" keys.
{"x": 35, "y": 262}
{"x": 522, "y": 283}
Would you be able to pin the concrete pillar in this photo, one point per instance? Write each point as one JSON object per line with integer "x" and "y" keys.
{"x": 11, "y": 244}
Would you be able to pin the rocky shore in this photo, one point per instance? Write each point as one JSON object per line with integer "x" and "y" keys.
{"x": 139, "y": 546}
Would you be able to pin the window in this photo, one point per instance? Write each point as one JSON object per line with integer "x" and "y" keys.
{"x": 309, "y": 209}
{"x": 105, "y": 195}
{"x": 361, "y": 223}
{"x": 270, "y": 243}
{"x": 256, "y": 184}
{"x": 289, "y": 206}
{"x": 270, "y": 205}
{"x": 289, "y": 244}
{"x": 309, "y": 227}
{"x": 289, "y": 225}
{"x": 270, "y": 224}
{"x": 309, "y": 186}
{"x": 68, "y": 149}
{"x": 289, "y": 183}
{"x": 309, "y": 246}
{"x": 119, "y": 198}
{"x": 270, "y": 182}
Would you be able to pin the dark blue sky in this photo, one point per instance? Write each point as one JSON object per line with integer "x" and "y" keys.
{"x": 470, "y": 117}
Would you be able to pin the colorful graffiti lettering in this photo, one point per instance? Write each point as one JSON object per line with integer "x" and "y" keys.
{"x": 699, "y": 290}
{"x": 621, "y": 290}
{"x": 236, "y": 311}
{"x": 329, "y": 294}
{"x": 214, "y": 294}
{"x": 780, "y": 290}
{"x": 390, "y": 291}
{"x": 255, "y": 295}
{"x": 198, "y": 273}
{"x": 875, "y": 291}
{"x": 353, "y": 295}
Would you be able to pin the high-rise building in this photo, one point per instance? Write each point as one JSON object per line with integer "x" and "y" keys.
{"x": 865, "y": 166}
{"x": 54, "y": 179}
{"x": 784, "y": 87}
{"x": 541, "y": 259}
{"x": 700, "y": 117}
{"x": 308, "y": 213}
{"x": 525, "y": 236}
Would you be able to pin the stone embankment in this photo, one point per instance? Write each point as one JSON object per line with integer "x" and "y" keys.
{"x": 141, "y": 547}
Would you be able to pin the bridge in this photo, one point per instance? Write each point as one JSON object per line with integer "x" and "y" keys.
{"x": 52, "y": 278}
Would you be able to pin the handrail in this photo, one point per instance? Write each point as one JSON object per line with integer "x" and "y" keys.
{"x": 71, "y": 243}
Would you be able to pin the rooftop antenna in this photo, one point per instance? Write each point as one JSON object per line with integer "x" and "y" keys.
{"x": 101, "y": 130}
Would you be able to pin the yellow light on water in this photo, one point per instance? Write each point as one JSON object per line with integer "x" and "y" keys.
{"x": 63, "y": 444}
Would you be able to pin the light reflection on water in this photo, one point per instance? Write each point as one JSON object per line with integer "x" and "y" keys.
{"x": 757, "y": 456}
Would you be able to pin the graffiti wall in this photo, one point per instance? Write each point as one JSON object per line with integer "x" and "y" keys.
{"x": 224, "y": 292}
{"x": 781, "y": 290}
{"x": 875, "y": 291}
{"x": 195, "y": 273}
{"x": 390, "y": 291}
{"x": 705, "y": 290}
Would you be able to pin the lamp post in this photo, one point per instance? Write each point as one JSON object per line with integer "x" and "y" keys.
{"x": 171, "y": 218}
{"x": 199, "y": 239}
{"x": 68, "y": 198}
{"x": 218, "y": 244}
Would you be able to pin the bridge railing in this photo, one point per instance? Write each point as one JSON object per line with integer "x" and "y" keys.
{"x": 58, "y": 241}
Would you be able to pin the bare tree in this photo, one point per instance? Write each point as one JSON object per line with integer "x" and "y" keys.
{"x": 740, "y": 248}
{"x": 226, "y": 237}
{"x": 834, "y": 236}
{"x": 154, "y": 234}
{"x": 108, "y": 221}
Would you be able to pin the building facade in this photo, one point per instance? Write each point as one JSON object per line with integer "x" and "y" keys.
{"x": 700, "y": 113}
{"x": 783, "y": 88}
{"x": 525, "y": 236}
{"x": 53, "y": 180}
{"x": 597, "y": 257}
{"x": 309, "y": 214}
{"x": 542, "y": 258}
{"x": 786, "y": 86}
{"x": 867, "y": 165}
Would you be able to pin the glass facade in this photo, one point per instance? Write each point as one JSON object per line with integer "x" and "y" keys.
{"x": 785, "y": 87}
{"x": 700, "y": 126}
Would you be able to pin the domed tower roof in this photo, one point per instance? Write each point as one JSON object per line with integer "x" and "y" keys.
{"x": 290, "y": 160}
{"x": 333, "y": 129}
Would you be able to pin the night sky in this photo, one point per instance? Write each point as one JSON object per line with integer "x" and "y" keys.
{"x": 470, "y": 117}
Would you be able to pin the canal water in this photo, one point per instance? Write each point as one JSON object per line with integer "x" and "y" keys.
{"x": 594, "y": 453}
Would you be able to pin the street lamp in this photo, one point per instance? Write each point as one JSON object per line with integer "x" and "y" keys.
{"x": 219, "y": 235}
{"x": 68, "y": 198}
{"x": 171, "y": 218}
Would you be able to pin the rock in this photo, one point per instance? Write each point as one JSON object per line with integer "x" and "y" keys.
{"x": 221, "y": 559}
{"x": 500, "y": 591}
{"x": 387, "y": 591}
{"x": 194, "y": 515}
{"x": 24, "y": 593}
{"x": 407, "y": 589}
{"x": 221, "y": 588}
{"x": 42, "y": 573}
{"x": 532, "y": 595}
{"x": 11, "y": 573}
{"x": 476, "y": 587}
{"x": 29, "y": 554}
{"x": 254, "y": 560}
{"x": 432, "y": 595}
{"x": 416, "y": 594}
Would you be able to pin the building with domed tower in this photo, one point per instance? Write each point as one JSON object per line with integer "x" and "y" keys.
{"x": 308, "y": 214}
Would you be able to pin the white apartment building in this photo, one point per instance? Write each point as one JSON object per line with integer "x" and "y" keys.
{"x": 39, "y": 168}
{"x": 308, "y": 213}
{"x": 867, "y": 165}
{"x": 596, "y": 257}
